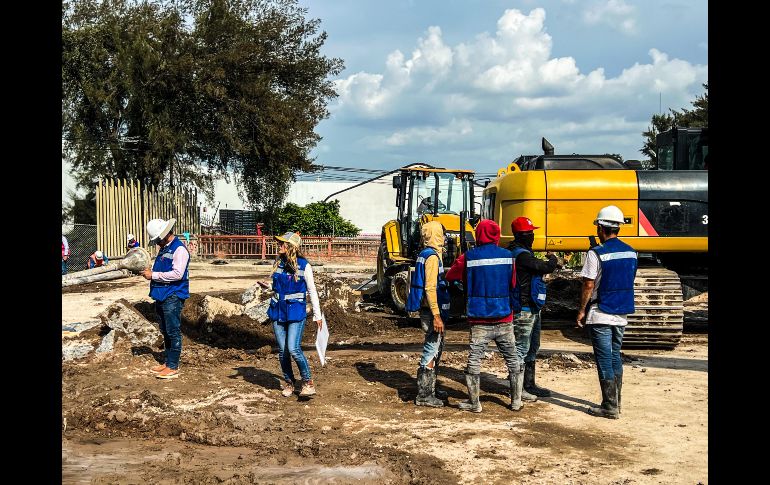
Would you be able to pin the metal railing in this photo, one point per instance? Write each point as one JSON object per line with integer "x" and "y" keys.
{"x": 266, "y": 247}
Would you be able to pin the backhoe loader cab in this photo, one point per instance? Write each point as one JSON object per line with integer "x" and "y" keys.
{"x": 423, "y": 194}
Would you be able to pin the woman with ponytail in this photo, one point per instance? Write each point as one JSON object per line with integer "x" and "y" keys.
{"x": 292, "y": 280}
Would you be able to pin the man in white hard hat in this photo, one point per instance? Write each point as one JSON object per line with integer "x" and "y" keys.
{"x": 608, "y": 287}
{"x": 97, "y": 259}
{"x": 169, "y": 287}
{"x": 132, "y": 242}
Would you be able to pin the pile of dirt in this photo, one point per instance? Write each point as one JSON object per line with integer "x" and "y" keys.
{"x": 568, "y": 361}
{"x": 563, "y": 288}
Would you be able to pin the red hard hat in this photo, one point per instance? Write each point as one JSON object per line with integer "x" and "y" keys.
{"x": 521, "y": 224}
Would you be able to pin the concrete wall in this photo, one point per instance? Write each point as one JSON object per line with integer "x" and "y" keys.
{"x": 368, "y": 206}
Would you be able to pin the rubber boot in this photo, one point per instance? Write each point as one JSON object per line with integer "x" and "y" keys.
{"x": 609, "y": 406}
{"x": 529, "y": 382}
{"x": 619, "y": 386}
{"x": 439, "y": 394}
{"x": 517, "y": 388}
{"x": 472, "y": 403}
{"x": 525, "y": 396}
{"x": 425, "y": 378}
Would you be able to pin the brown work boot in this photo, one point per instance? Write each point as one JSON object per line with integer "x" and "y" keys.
{"x": 287, "y": 389}
{"x": 158, "y": 368}
{"x": 168, "y": 373}
{"x": 308, "y": 388}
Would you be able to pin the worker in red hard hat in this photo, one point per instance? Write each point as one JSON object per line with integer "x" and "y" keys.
{"x": 528, "y": 300}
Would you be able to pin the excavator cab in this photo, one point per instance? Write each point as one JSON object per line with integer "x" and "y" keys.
{"x": 683, "y": 149}
{"x": 423, "y": 194}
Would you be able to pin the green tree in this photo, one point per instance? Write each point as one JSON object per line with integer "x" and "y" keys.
{"x": 186, "y": 92}
{"x": 697, "y": 117}
{"x": 318, "y": 218}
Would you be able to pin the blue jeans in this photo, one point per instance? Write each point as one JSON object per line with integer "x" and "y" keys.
{"x": 434, "y": 341}
{"x": 63, "y": 267}
{"x": 170, "y": 313}
{"x": 606, "y": 340}
{"x": 502, "y": 334}
{"x": 526, "y": 327}
{"x": 289, "y": 338}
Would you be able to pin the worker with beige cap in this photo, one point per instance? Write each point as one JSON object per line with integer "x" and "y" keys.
{"x": 169, "y": 287}
{"x": 292, "y": 280}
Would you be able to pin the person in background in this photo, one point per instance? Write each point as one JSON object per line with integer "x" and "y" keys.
{"x": 65, "y": 254}
{"x": 97, "y": 259}
{"x": 608, "y": 287}
{"x": 132, "y": 242}
{"x": 170, "y": 288}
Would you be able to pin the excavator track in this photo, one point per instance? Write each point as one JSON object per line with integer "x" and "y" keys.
{"x": 659, "y": 317}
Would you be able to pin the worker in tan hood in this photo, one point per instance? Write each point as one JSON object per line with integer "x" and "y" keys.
{"x": 429, "y": 293}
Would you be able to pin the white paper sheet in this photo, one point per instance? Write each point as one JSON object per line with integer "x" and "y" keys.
{"x": 321, "y": 339}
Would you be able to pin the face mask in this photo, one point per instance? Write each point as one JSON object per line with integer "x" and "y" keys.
{"x": 526, "y": 240}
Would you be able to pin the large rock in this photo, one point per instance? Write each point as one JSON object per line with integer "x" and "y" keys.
{"x": 256, "y": 300}
{"x": 212, "y": 306}
{"x": 123, "y": 318}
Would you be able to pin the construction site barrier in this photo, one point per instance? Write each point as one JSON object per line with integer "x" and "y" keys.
{"x": 266, "y": 247}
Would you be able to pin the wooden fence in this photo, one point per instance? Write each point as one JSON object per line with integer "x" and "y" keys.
{"x": 266, "y": 247}
{"x": 124, "y": 207}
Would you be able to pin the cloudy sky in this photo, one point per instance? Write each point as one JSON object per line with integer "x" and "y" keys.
{"x": 475, "y": 83}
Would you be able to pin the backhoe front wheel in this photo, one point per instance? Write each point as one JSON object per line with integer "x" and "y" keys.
{"x": 399, "y": 290}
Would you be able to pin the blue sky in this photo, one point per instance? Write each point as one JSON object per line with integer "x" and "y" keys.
{"x": 475, "y": 83}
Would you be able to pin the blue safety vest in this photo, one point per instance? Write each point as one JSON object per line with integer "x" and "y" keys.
{"x": 536, "y": 288}
{"x": 288, "y": 302}
{"x": 489, "y": 271}
{"x": 616, "y": 287}
{"x": 417, "y": 286}
{"x": 160, "y": 290}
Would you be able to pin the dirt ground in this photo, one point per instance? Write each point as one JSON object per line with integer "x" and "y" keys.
{"x": 225, "y": 421}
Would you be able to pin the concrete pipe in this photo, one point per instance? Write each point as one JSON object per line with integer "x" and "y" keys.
{"x": 93, "y": 271}
{"x": 110, "y": 275}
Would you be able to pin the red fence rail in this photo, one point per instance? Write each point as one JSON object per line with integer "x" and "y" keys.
{"x": 266, "y": 247}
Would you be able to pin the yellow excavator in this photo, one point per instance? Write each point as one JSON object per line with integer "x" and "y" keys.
{"x": 666, "y": 215}
{"x": 425, "y": 193}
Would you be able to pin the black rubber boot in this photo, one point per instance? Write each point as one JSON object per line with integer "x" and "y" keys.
{"x": 619, "y": 386}
{"x": 425, "y": 379}
{"x": 472, "y": 403}
{"x": 437, "y": 392}
{"x": 609, "y": 406}
{"x": 517, "y": 388}
{"x": 529, "y": 381}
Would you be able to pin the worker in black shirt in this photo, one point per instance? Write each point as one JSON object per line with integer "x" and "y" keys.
{"x": 528, "y": 300}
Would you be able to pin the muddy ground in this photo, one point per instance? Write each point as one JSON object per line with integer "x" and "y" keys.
{"x": 225, "y": 421}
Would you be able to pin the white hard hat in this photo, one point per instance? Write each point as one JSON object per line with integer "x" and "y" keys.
{"x": 131, "y": 237}
{"x": 99, "y": 255}
{"x": 610, "y": 216}
{"x": 158, "y": 228}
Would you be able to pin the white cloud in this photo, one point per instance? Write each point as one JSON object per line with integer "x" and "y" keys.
{"x": 495, "y": 90}
{"x": 614, "y": 13}
{"x": 452, "y": 132}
